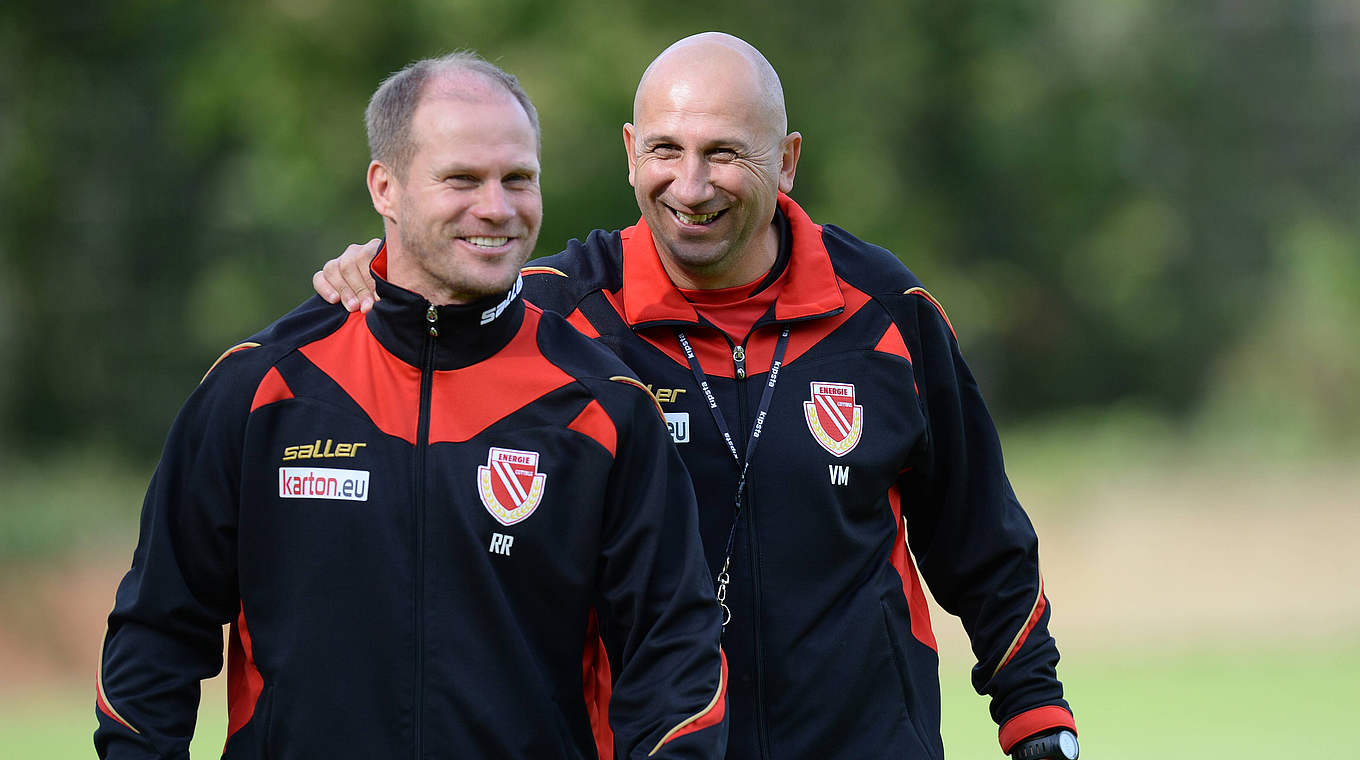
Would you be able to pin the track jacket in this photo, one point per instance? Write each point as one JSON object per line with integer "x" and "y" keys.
{"x": 415, "y": 523}
{"x": 876, "y": 438}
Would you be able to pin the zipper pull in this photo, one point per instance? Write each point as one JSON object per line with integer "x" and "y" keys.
{"x": 739, "y": 360}
{"x": 432, "y": 317}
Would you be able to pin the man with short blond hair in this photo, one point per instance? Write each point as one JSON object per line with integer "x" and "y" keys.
{"x": 433, "y": 528}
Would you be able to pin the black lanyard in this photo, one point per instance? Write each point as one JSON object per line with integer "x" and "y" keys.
{"x": 743, "y": 462}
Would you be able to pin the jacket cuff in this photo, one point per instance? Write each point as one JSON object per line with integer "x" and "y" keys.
{"x": 1032, "y": 722}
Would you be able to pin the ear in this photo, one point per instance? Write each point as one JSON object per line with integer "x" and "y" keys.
{"x": 629, "y": 135}
{"x": 788, "y": 161}
{"x": 382, "y": 188}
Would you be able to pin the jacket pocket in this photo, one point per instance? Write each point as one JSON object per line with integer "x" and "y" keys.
{"x": 909, "y": 696}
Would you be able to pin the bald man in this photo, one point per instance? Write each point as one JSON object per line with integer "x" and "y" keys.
{"x": 423, "y": 524}
{"x": 834, "y": 434}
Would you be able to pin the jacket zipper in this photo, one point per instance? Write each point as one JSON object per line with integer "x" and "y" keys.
{"x": 418, "y": 510}
{"x": 762, "y": 731}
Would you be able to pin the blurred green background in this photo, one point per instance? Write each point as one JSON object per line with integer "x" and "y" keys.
{"x": 1142, "y": 215}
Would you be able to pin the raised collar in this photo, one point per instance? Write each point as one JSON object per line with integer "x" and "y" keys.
{"x": 810, "y": 286}
{"x": 467, "y": 333}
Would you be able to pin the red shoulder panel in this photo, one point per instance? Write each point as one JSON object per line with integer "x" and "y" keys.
{"x": 892, "y": 343}
{"x": 469, "y": 400}
{"x": 578, "y": 320}
{"x": 386, "y": 388}
{"x": 272, "y": 388}
{"x": 593, "y": 421}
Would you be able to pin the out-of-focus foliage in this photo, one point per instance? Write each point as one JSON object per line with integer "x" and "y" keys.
{"x": 1145, "y": 202}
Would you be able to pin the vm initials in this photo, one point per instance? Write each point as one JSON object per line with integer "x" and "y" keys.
{"x": 840, "y": 474}
{"x": 500, "y": 544}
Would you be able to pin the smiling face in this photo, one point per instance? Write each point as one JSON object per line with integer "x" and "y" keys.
{"x": 467, "y": 214}
{"x": 707, "y": 158}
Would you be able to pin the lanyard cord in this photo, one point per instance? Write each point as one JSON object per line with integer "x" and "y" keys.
{"x": 742, "y": 462}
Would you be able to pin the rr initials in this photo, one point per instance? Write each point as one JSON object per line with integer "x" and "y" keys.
{"x": 500, "y": 544}
{"x": 840, "y": 474}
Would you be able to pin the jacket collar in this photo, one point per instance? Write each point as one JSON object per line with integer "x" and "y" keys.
{"x": 810, "y": 286}
{"x": 467, "y": 333}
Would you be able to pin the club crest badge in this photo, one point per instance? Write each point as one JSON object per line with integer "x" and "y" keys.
{"x": 510, "y": 485}
{"x": 834, "y": 418}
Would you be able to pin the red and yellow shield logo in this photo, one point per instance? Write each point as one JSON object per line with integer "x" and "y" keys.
{"x": 834, "y": 418}
{"x": 510, "y": 484}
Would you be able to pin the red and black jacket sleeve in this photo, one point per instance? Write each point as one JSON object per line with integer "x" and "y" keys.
{"x": 165, "y": 631}
{"x": 658, "y": 615}
{"x": 973, "y": 541}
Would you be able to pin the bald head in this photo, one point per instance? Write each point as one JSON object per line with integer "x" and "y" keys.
{"x": 714, "y": 66}
{"x": 708, "y": 156}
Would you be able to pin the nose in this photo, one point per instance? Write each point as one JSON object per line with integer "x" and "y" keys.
{"x": 692, "y": 185}
{"x": 493, "y": 204}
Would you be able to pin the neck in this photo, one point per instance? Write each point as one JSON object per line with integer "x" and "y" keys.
{"x": 747, "y": 265}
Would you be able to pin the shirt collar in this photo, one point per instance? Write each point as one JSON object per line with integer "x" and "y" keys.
{"x": 810, "y": 287}
{"x": 463, "y": 334}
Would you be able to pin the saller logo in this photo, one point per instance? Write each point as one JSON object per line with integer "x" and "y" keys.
{"x": 318, "y": 450}
{"x": 834, "y": 418}
{"x": 323, "y": 483}
{"x": 490, "y": 315}
{"x": 510, "y": 485}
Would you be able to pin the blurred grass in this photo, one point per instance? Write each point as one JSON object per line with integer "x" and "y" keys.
{"x": 59, "y": 724}
{"x": 1205, "y": 701}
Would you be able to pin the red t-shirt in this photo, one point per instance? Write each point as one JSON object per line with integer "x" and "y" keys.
{"x": 733, "y": 310}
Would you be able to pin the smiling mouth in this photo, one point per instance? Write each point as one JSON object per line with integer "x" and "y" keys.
{"x": 487, "y": 242}
{"x": 696, "y": 219}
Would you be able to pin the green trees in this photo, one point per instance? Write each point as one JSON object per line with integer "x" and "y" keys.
{"x": 1128, "y": 201}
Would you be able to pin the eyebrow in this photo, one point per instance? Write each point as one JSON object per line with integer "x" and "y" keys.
{"x": 724, "y": 142}
{"x": 448, "y": 169}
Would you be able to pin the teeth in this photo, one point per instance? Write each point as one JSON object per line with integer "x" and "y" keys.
{"x": 488, "y": 242}
{"x": 696, "y": 218}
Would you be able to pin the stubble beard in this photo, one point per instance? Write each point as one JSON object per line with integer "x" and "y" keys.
{"x": 432, "y": 250}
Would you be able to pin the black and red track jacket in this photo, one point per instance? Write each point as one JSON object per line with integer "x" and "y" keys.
{"x": 877, "y": 437}
{"x": 416, "y": 522}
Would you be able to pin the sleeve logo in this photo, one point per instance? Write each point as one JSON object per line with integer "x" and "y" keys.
{"x": 323, "y": 483}
{"x": 510, "y": 485}
{"x": 834, "y": 418}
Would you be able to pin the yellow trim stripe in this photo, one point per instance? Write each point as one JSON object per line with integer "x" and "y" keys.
{"x": 542, "y": 270}
{"x": 99, "y": 687}
{"x": 1024, "y": 626}
{"x": 225, "y": 354}
{"x": 717, "y": 695}
{"x": 631, "y": 381}
{"x": 926, "y": 295}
